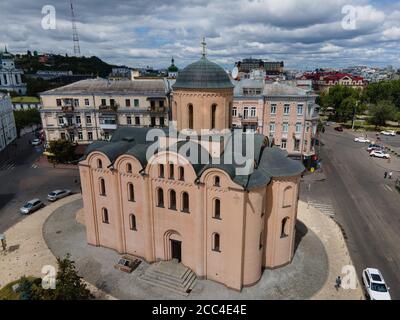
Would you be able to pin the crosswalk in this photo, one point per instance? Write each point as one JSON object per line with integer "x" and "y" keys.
{"x": 7, "y": 165}
{"x": 10, "y": 165}
{"x": 325, "y": 208}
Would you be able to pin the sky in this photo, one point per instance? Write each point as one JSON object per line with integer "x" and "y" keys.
{"x": 305, "y": 34}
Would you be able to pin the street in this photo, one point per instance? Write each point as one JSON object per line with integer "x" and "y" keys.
{"x": 23, "y": 180}
{"x": 365, "y": 205}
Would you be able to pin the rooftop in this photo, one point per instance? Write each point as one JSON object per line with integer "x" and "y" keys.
{"x": 154, "y": 87}
{"x": 203, "y": 74}
{"x": 270, "y": 161}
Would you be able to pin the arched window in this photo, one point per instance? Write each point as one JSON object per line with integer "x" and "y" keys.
{"x": 128, "y": 168}
{"x": 216, "y": 242}
{"x": 287, "y": 197}
{"x": 171, "y": 171}
{"x": 213, "y": 115}
{"x": 99, "y": 164}
{"x": 132, "y": 222}
{"x": 285, "y": 227}
{"x": 190, "y": 116}
{"x": 161, "y": 170}
{"x": 172, "y": 200}
{"x": 104, "y": 213}
{"x": 181, "y": 173}
{"x": 217, "y": 181}
{"x": 131, "y": 193}
{"x": 217, "y": 209}
{"x": 185, "y": 202}
{"x": 102, "y": 187}
{"x": 160, "y": 197}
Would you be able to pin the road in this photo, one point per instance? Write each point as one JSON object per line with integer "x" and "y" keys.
{"x": 365, "y": 205}
{"x": 22, "y": 180}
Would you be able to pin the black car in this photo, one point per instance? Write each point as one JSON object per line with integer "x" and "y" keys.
{"x": 340, "y": 129}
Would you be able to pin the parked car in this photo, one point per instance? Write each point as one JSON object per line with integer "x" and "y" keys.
{"x": 375, "y": 285}
{"x": 31, "y": 206}
{"x": 58, "y": 194}
{"x": 372, "y": 147}
{"x": 388, "y": 133}
{"x": 36, "y": 142}
{"x": 362, "y": 140}
{"x": 379, "y": 154}
{"x": 340, "y": 129}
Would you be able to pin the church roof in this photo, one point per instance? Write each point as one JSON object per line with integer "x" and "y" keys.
{"x": 269, "y": 162}
{"x": 203, "y": 74}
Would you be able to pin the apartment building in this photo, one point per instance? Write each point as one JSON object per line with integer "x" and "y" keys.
{"x": 287, "y": 114}
{"x": 93, "y": 109}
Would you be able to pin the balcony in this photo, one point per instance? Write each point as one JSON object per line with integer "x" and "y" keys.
{"x": 108, "y": 108}
{"x": 249, "y": 119}
{"x": 155, "y": 110}
{"x": 67, "y": 108}
{"x": 108, "y": 126}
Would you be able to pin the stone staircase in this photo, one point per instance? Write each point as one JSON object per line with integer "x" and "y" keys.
{"x": 170, "y": 275}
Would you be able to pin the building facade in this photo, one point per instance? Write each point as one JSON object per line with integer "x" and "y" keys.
{"x": 10, "y": 76}
{"x": 324, "y": 81}
{"x": 286, "y": 114}
{"x": 25, "y": 103}
{"x": 225, "y": 224}
{"x": 93, "y": 109}
{"x": 8, "y": 131}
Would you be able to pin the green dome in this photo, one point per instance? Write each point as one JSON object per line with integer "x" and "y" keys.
{"x": 203, "y": 74}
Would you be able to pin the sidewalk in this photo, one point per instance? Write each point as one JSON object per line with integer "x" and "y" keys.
{"x": 27, "y": 251}
{"x": 309, "y": 273}
{"x": 42, "y": 162}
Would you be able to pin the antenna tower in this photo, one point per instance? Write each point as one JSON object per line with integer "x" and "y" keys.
{"x": 75, "y": 38}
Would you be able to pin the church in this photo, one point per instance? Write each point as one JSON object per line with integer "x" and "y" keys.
{"x": 190, "y": 199}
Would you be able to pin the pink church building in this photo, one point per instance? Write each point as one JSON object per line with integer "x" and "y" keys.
{"x": 186, "y": 200}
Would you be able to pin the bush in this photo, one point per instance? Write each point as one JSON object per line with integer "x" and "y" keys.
{"x": 69, "y": 286}
{"x": 63, "y": 151}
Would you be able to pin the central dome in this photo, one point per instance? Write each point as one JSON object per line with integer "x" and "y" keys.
{"x": 203, "y": 74}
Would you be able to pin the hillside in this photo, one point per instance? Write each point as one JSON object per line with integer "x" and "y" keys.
{"x": 31, "y": 63}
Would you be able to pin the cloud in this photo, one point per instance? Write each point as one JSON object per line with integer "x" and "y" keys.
{"x": 150, "y": 32}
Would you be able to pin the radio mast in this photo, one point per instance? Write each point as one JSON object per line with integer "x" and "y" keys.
{"x": 75, "y": 38}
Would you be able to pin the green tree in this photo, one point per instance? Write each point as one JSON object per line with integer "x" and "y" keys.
{"x": 344, "y": 100}
{"x": 63, "y": 150}
{"x": 69, "y": 285}
{"x": 382, "y": 112}
{"x": 25, "y": 289}
{"x": 25, "y": 118}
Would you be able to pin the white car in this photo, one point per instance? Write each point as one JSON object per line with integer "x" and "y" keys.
{"x": 362, "y": 140}
{"x": 388, "y": 133}
{"x": 58, "y": 194}
{"x": 379, "y": 154}
{"x": 374, "y": 285}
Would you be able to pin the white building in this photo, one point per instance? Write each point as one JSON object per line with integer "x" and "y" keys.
{"x": 8, "y": 131}
{"x": 10, "y": 76}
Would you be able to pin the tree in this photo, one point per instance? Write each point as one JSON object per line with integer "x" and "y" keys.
{"x": 63, "y": 150}
{"x": 25, "y": 118}
{"x": 69, "y": 285}
{"x": 381, "y": 112}
{"x": 25, "y": 289}
{"x": 344, "y": 100}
